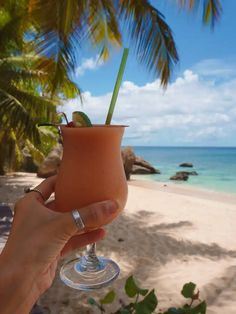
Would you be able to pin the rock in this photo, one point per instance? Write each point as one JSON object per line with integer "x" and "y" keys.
{"x": 141, "y": 166}
{"x": 51, "y": 163}
{"x": 128, "y": 158}
{"x": 181, "y": 176}
{"x": 28, "y": 164}
{"x": 189, "y": 173}
{"x": 141, "y": 170}
{"x": 186, "y": 164}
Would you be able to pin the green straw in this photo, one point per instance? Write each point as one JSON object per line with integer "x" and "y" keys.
{"x": 117, "y": 85}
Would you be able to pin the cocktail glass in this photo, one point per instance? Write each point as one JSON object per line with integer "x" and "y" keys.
{"x": 91, "y": 171}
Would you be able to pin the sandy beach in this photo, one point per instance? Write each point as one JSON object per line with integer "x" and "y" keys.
{"x": 168, "y": 235}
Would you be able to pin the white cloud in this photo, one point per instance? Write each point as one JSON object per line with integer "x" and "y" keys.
{"x": 194, "y": 110}
{"x": 89, "y": 64}
{"x": 216, "y": 68}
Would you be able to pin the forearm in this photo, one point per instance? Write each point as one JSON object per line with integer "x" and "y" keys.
{"x": 17, "y": 290}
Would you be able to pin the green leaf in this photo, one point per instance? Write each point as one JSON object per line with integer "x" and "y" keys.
{"x": 132, "y": 289}
{"x": 200, "y": 308}
{"x": 109, "y": 298}
{"x": 188, "y": 290}
{"x": 91, "y": 301}
{"x": 147, "y": 305}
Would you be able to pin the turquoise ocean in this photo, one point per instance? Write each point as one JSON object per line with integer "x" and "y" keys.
{"x": 216, "y": 166}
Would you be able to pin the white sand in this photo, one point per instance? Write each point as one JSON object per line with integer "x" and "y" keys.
{"x": 172, "y": 234}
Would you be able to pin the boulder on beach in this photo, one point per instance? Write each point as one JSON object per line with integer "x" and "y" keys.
{"x": 141, "y": 170}
{"x": 141, "y": 166}
{"x": 128, "y": 158}
{"x": 181, "y": 176}
{"x": 51, "y": 163}
{"x": 186, "y": 164}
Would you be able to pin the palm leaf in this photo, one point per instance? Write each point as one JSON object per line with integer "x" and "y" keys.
{"x": 57, "y": 35}
{"x": 14, "y": 114}
{"x": 212, "y": 9}
{"x": 151, "y": 36}
{"x": 103, "y": 25}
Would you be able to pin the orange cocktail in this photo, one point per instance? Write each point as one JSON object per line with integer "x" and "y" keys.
{"x": 91, "y": 171}
{"x": 91, "y": 168}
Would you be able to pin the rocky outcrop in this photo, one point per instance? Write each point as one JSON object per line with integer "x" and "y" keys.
{"x": 51, "y": 163}
{"x": 128, "y": 158}
{"x": 135, "y": 165}
{"x": 186, "y": 164}
{"x": 141, "y": 166}
{"x": 28, "y": 164}
{"x": 181, "y": 176}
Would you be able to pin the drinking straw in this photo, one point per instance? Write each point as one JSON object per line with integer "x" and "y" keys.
{"x": 117, "y": 85}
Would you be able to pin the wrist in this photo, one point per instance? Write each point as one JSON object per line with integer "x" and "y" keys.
{"x": 17, "y": 290}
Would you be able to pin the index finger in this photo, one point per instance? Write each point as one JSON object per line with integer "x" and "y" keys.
{"x": 46, "y": 187}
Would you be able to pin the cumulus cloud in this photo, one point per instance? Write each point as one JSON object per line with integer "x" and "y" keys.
{"x": 193, "y": 110}
{"x": 89, "y": 64}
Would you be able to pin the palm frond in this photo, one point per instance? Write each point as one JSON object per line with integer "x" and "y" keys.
{"x": 103, "y": 25}
{"x": 57, "y": 35}
{"x": 36, "y": 154}
{"x": 15, "y": 115}
{"x": 12, "y": 30}
{"x": 151, "y": 36}
{"x": 36, "y": 106}
{"x": 211, "y": 12}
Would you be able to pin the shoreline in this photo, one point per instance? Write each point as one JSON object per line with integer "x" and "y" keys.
{"x": 167, "y": 187}
{"x": 183, "y": 189}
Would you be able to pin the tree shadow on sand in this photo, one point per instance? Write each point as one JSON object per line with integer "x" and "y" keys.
{"x": 130, "y": 238}
{"x": 221, "y": 291}
{"x": 164, "y": 246}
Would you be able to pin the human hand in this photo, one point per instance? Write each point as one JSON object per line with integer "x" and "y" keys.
{"x": 40, "y": 236}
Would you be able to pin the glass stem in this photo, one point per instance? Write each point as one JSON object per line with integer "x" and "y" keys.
{"x": 89, "y": 261}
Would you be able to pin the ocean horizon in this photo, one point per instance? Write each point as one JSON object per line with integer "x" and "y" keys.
{"x": 216, "y": 166}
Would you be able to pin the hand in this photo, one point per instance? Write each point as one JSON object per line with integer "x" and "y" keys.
{"x": 38, "y": 238}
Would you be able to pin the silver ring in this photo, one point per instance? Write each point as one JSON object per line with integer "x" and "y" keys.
{"x": 77, "y": 218}
{"x": 28, "y": 190}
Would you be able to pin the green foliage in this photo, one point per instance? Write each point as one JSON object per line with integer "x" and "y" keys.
{"x": 188, "y": 290}
{"x": 132, "y": 289}
{"x": 148, "y": 303}
{"x": 109, "y": 298}
{"x": 61, "y": 24}
{"x": 27, "y": 93}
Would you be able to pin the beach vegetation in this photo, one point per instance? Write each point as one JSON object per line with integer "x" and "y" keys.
{"x": 27, "y": 95}
{"x": 145, "y": 301}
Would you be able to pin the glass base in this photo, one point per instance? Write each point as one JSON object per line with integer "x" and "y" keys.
{"x": 75, "y": 275}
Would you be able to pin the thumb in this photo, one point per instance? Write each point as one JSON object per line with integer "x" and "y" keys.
{"x": 93, "y": 216}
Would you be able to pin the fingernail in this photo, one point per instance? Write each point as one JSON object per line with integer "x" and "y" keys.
{"x": 111, "y": 206}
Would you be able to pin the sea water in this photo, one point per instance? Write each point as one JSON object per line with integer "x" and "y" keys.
{"x": 216, "y": 166}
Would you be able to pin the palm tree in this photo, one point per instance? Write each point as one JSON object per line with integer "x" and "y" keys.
{"x": 64, "y": 25}
{"x": 30, "y": 84}
{"x": 25, "y": 88}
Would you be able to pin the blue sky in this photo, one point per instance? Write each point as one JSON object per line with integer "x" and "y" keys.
{"x": 199, "y": 106}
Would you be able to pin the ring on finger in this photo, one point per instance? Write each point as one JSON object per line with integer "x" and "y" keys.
{"x": 78, "y": 220}
{"x": 28, "y": 190}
